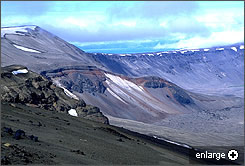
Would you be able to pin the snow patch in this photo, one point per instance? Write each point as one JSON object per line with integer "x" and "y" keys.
{"x": 206, "y": 49}
{"x": 26, "y": 49}
{"x": 20, "y": 71}
{"x": 16, "y": 30}
{"x": 219, "y": 48}
{"x": 73, "y": 112}
{"x": 223, "y": 74}
{"x": 234, "y": 48}
{"x": 242, "y": 47}
{"x": 183, "y": 51}
{"x": 67, "y": 92}
{"x": 151, "y": 54}
{"x": 172, "y": 142}
{"x": 123, "y": 82}
{"x": 194, "y": 50}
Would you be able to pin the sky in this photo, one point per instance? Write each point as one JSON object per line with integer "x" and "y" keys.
{"x": 161, "y": 24}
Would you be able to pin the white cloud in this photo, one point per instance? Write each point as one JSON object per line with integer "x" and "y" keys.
{"x": 215, "y": 39}
{"x": 127, "y": 23}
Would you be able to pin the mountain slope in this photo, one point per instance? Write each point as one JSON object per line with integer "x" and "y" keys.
{"x": 144, "y": 93}
{"x": 120, "y": 96}
{"x": 20, "y": 85}
{"x": 152, "y": 100}
{"x": 32, "y": 104}
{"x": 218, "y": 70}
{"x": 38, "y": 49}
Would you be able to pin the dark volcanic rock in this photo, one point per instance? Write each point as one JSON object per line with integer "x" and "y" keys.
{"x": 178, "y": 93}
{"x": 33, "y": 89}
{"x": 79, "y": 78}
{"x": 154, "y": 82}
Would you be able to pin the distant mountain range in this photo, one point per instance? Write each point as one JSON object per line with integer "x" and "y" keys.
{"x": 180, "y": 89}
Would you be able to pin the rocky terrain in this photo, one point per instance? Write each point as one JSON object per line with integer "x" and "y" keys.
{"x": 191, "y": 96}
{"x": 65, "y": 139}
{"x": 34, "y": 90}
{"x": 217, "y": 70}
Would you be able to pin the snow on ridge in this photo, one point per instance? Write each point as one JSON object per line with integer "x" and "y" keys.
{"x": 234, "y": 48}
{"x": 206, "y": 49}
{"x": 25, "y": 49}
{"x": 183, "y": 51}
{"x": 194, "y": 50}
{"x": 73, "y": 112}
{"x": 151, "y": 54}
{"x": 20, "y": 71}
{"x": 219, "y": 48}
{"x": 15, "y": 30}
{"x": 241, "y": 47}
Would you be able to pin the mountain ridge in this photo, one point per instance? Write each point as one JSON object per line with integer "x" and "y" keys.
{"x": 110, "y": 83}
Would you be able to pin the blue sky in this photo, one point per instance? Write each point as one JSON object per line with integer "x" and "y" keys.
{"x": 191, "y": 24}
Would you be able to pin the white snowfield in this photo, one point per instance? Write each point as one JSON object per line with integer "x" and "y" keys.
{"x": 26, "y": 49}
{"x": 206, "y": 49}
{"x": 242, "y": 47}
{"x": 73, "y": 112}
{"x": 16, "y": 30}
{"x": 123, "y": 82}
{"x": 219, "y": 48}
{"x": 234, "y": 48}
{"x": 20, "y": 71}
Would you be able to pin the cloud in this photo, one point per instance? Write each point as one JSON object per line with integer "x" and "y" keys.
{"x": 215, "y": 39}
{"x": 105, "y": 32}
{"x": 187, "y": 25}
{"x": 130, "y": 20}
{"x": 25, "y": 8}
{"x": 151, "y": 9}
